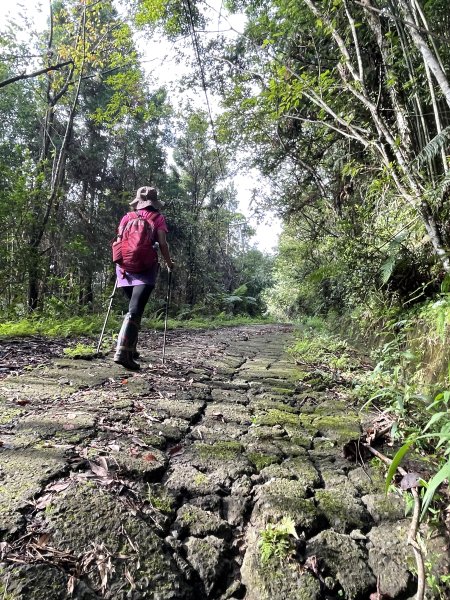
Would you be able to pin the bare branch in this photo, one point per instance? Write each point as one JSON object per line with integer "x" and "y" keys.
{"x": 22, "y": 76}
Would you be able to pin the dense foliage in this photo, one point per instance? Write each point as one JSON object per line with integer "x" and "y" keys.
{"x": 82, "y": 128}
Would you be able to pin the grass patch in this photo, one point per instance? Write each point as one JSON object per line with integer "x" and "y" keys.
{"x": 91, "y": 325}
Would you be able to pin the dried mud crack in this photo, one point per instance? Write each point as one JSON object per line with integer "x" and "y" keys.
{"x": 171, "y": 483}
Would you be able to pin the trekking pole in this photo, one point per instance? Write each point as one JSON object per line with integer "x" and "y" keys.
{"x": 107, "y": 317}
{"x": 169, "y": 284}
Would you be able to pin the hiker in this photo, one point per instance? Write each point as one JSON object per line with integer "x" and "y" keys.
{"x": 137, "y": 287}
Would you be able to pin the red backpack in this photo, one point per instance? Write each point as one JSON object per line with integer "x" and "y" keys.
{"x": 134, "y": 251}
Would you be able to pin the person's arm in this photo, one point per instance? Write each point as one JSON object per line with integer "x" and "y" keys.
{"x": 164, "y": 247}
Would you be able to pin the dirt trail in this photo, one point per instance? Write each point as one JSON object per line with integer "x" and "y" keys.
{"x": 176, "y": 482}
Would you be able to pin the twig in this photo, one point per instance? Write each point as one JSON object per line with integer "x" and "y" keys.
{"x": 413, "y": 528}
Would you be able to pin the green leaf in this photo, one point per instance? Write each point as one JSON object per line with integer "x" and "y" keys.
{"x": 436, "y": 417}
{"x": 396, "y": 461}
{"x": 433, "y": 484}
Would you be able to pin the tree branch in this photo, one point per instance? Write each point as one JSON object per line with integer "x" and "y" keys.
{"x": 22, "y": 76}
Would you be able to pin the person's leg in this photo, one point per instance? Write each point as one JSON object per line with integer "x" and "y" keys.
{"x": 139, "y": 298}
{"x": 126, "y": 342}
{"x": 138, "y": 302}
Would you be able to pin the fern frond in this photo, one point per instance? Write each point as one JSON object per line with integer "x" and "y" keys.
{"x": 432, "y": 149}
{"x": 387, "y": 268}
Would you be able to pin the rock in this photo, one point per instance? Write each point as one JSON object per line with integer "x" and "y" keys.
{"x": 276, "y": 579}
{"x": 206, "y": 556}
{"x": 342, "y": 511}
{"x": 40, "y": 582}
{"x": 190, "y": 481}
{"x": 390, "y": 557}
{"x": 87, "y": 519}
{"x": 345, "y": 561}
{"x": 24, "y": 473}
{"x": 194, "y": 521}
{"x": 235, "y": 509}
{"x": 382, "y": 507}
{"x": 303, "y": 470}
{"x": 282, "y": 497}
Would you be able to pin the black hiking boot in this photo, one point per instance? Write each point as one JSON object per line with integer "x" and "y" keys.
{"x": 126, "y": 342}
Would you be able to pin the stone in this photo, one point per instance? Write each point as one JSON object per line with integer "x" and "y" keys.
{"x": 191, "y": 482}
{"x": 206, "y": 556}
{"x": 194, "y": 521}
{"x": 391, "y": 558}
{"x": 276, "y": 579}
{"x": 40, "y": 582}
{"x": 382, "y": 507}
{"x": 345, "y": 561}
{"x": 284, "y": 498}
{"x": 342, "y": 511}
{"x": 86, "y": 518}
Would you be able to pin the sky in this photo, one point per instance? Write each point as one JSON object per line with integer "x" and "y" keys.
{"x": 160, "y": 61}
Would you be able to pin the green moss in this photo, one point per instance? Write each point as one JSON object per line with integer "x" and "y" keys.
{"x": 220, "y": 450}
{"x": 189, "y": 516}
{"x": 80, "y": 351}
{"x": 200, "y": 479}
{"x": 8, "y": 414}
{"x": 161, "y": 500}
{"x": 261, "y": 460}
{"x": 275, "y": 416}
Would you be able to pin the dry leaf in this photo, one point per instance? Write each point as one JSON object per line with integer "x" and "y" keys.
{"x": 129, "y": 578}
{"x": 4, "y": 547}
{"x": 124, "y": 381}
{"x": 98, "y": 470}
{"x": 23, "y": 401}
{"x": 139, "y": 442}
{"x": 178, "y": 449}
{"x": 43, "y": 539}
{"x": 148, "y": 457}
{"x": 410, "y": 480}
{"x": 58, "y": 487}
{"x": 68, "y": 426}
{"x": 44, "y": 501}
{"x": 71, "y": 585}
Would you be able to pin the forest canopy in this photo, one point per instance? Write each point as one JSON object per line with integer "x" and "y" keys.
{"x": 342, "y": 106}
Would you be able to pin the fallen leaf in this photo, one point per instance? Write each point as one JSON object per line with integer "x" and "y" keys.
{"x": 71, "y": 585}
{"x": 178, "y": 449}
{"x": 139, "y": 442}
{"x": 68, "y": 426}
{"x": 58, "y": 487}
{"x": 124, "y": 381}
{"x": 23, "y": 401}
{"x": 44, "y": 501}
{"x": 148, "y": 457}
{"x": 410, "y": 480}
{"x": 114, "y": 447}
{"x": 4, "y": 547}
{"x": 98, "y": 469}
{"x": 42, "y": 540}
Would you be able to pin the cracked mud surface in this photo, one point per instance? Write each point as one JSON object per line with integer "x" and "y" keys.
{"x": 160, "y": 484}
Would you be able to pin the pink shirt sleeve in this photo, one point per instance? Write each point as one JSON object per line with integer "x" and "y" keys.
{"x": 160, "y": 223}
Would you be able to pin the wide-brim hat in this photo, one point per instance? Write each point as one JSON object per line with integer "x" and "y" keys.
{"x": 146, "y": 196}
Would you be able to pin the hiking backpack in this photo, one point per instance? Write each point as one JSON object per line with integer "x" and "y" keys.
{"x": 134, "y": 250}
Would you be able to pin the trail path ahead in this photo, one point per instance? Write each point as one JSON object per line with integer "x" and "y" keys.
{"x": 220, "y": 475}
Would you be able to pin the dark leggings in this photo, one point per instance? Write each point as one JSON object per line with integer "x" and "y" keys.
{"x": 138, "y": 296}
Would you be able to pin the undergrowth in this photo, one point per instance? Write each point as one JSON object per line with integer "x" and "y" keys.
{"x": 91, "y": 325}
{"x": 408, "y": 384}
